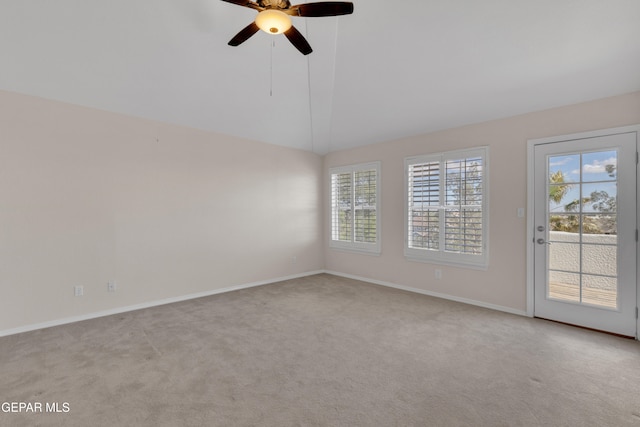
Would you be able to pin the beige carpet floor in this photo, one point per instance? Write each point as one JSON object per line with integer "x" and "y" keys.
{"x": 320, "y": 351}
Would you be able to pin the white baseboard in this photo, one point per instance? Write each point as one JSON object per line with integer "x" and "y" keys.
{"x": 429, "y": 293}
{"x": 149, "y": 304}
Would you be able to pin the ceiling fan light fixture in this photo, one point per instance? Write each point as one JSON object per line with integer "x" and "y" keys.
{"x": 273, "y": 21}
{"x": 274, "y": 18}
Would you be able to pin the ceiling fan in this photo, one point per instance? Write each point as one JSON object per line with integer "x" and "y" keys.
{"x": 274, "y": 18}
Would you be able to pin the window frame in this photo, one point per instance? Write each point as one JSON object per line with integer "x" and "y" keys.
{"x": 440, "y": 255}
{"x": 352, "y": 245}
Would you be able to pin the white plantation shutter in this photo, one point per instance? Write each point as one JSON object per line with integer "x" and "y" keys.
{"x": 424, "y": 205}
{"x": 446, "y": 215}
{"x": 365, "y": 198}
{"x": 355, "y": 222}
{"x": 463, "y": 205}
{"x": 341, "y": 212}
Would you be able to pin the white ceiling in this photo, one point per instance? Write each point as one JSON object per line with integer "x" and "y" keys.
{"x": 392, "y": 69}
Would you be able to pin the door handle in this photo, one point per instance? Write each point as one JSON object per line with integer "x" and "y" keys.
{"x": 542, "y": 242}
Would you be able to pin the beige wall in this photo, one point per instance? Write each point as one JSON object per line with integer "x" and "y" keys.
{"x": 504, "y": 282}
{"x": 88, "y": 196}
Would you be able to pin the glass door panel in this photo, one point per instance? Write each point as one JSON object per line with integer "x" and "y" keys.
{"x": 582, "y": 219}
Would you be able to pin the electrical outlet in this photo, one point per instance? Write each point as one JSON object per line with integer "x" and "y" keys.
{"x": 78, "y": 291}
{"x": 111, "y": 286}
{"x": 438, "y": 273}
{"x": 294, "y": 259}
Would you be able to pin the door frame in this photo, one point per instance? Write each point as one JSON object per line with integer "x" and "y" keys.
{"x": 531, "y": 144}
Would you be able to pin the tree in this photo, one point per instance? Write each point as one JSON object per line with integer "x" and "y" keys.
{"x": 558, "y": 188}
{"x": 600, "y": 201}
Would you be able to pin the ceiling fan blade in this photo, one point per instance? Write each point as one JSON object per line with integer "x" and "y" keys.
{"x": 246, "y": 3}
{"x": 327, "y": 8}
{"x": 244, "y": 34}
{"x": 298, "y": 40}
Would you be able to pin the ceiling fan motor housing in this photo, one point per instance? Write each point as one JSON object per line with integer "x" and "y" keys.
{"x": 275, "y": 4}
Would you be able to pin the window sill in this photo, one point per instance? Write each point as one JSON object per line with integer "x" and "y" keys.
{"x": 443, "y": 261}
{"x": 363, "y": 250}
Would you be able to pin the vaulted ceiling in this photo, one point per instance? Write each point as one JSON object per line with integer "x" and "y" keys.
{"x": 389, "y": 70}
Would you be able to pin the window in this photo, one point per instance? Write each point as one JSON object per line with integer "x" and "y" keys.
{"x": 446, "y": 200}
{"x": 355, "y": 218}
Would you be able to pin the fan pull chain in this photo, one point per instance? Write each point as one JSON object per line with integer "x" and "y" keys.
{"x": 306, "y": 33}
{"x": 273, "y": 43}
